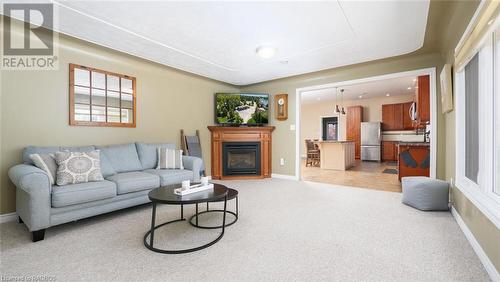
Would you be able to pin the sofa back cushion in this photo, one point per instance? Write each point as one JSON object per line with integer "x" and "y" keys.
{"x": 148, "y": 153}
{"x": 37, "y": 150}
{"x": 107, "y": 168}
{"x": 123, "y": 158}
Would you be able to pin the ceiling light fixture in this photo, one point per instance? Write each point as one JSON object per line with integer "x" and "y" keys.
{"x": 342, "y": 97}
{"x": 360, "y": 96}
{"x": 387, "y": 94}
{"x": 409, "y": 88}
{"x": 266, "y": 52}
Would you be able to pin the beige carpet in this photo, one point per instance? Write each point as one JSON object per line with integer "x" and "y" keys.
{"x": 287, "y": 231}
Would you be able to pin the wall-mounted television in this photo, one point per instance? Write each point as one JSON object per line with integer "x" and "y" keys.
{"x": 241, "y": 108}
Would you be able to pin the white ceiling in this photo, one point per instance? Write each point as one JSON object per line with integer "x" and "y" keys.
{"x": 380, "y": 88}
{"x": 218, "y": 39}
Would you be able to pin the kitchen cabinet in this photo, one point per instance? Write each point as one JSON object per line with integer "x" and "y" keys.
{"x": 388, "y": 117}
{"x": 396, "y": 117}
{"x": 389, "y": 151}
{"x": 407, "y": 122}
{"x": 423, "y": 100}
{"x": 353, "y": 125}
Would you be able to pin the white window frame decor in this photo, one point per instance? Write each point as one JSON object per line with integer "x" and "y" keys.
{"x": 481, "y": 194}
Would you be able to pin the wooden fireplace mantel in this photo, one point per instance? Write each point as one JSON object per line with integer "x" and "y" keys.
{"x": 262, "y": 134}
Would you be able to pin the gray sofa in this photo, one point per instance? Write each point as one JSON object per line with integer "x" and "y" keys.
{"x": 129, "y": 173}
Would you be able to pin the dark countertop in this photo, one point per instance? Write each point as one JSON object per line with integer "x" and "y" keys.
{"x": 414, "y": 144}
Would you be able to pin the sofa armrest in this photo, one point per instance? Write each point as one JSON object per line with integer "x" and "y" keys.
{"x": 194, "y": 164}
{"x": 32, "y": 195}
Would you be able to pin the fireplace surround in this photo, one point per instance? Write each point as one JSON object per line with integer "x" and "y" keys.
{"x": 241, "y": 152}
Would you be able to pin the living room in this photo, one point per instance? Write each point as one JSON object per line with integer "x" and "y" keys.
{"x": 126, "y": 90}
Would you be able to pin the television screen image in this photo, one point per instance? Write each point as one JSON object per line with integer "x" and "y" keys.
{"x": 241, "y": 108}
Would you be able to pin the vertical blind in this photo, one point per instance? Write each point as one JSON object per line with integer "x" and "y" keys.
{"x": 472, "y": 119}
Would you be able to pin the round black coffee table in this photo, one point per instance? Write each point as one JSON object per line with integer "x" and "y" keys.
{"x": 165, "y": 195}
{"x": 231, "y": 194}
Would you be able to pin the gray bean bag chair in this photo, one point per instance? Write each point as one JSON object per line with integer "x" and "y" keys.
{"x": 425, "y": 193}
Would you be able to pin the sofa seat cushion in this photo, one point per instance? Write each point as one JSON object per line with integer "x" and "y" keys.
{"x": 82, "y": 193}
{"x": 171, "y": 176}
{"x": 134, "y": 181}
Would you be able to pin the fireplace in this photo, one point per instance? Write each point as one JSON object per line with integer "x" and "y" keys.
{"x": 241, "y": 158}
{"x": 241, "y": 152}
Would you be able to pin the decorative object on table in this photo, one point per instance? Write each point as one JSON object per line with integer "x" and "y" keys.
{"x": 169, "y": 159}
{"x": 78, "y": 167}
{"x": 205, "y": 179}
{"x": 191, "y": 146}
{"x": 446, "y": 89}
{"x": 193, "y": 189}
{"x": 281, "y": 106}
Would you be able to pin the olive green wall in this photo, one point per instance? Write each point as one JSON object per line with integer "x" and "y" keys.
{"x": 486, "y": 233}
{"x": 34, "y": 107}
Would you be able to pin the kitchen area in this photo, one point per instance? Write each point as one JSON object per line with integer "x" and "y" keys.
{"x": 406, "y": 131}
{"x": 368, "y": 135}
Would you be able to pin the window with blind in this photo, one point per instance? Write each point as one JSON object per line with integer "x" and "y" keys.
{"x": 101, "y": 98}
{"x": 477, "y": 120}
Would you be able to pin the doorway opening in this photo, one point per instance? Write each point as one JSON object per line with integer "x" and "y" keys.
{"x": 370, "y": 132}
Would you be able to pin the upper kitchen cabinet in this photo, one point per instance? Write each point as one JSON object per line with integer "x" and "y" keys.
{"x": 397, "y": 116}
{"x": 407, "y": 121}
{"x": 422, "y": 97}
{"x": 388, "y": 117}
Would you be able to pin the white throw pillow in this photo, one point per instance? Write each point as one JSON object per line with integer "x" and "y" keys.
{"x": 78, "y": 167}
{"x": 169, "y": 159}
{"x": 47, "y": 163}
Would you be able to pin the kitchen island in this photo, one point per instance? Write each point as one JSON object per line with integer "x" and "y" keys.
{"x": 414, "y": 159}
{"x": 338, "y": 155}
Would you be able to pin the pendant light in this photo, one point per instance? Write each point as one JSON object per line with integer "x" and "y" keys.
{"x": 337, "y": 110}
{"x": 342, "y": 99}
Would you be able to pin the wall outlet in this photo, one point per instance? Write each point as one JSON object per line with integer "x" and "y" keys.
{"x": 292, "y": 127}
{"x": 282, "y": 161}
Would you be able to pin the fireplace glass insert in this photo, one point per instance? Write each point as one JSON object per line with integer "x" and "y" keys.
{"x": 241, "y": 158}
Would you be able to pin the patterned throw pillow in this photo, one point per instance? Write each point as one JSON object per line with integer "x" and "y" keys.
{"x": 169, "y": 159}
{"x": 47, "y": 163}
{"x": 78, "y": 167}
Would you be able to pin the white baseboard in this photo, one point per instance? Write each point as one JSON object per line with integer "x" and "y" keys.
{"x": 8, "y": 217}
{"x": 485, "y": 260}
{"x": 284, "y": 176}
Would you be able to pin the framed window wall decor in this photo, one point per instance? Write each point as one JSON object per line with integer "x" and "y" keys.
{"x": 101, "y": 98}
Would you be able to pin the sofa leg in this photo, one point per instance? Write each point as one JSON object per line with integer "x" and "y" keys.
{"x": 20, "y": 220}
{"x": 38, "y": 235}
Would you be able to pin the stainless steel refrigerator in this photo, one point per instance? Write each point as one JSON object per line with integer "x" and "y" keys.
{"x": 371, "y": 138}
